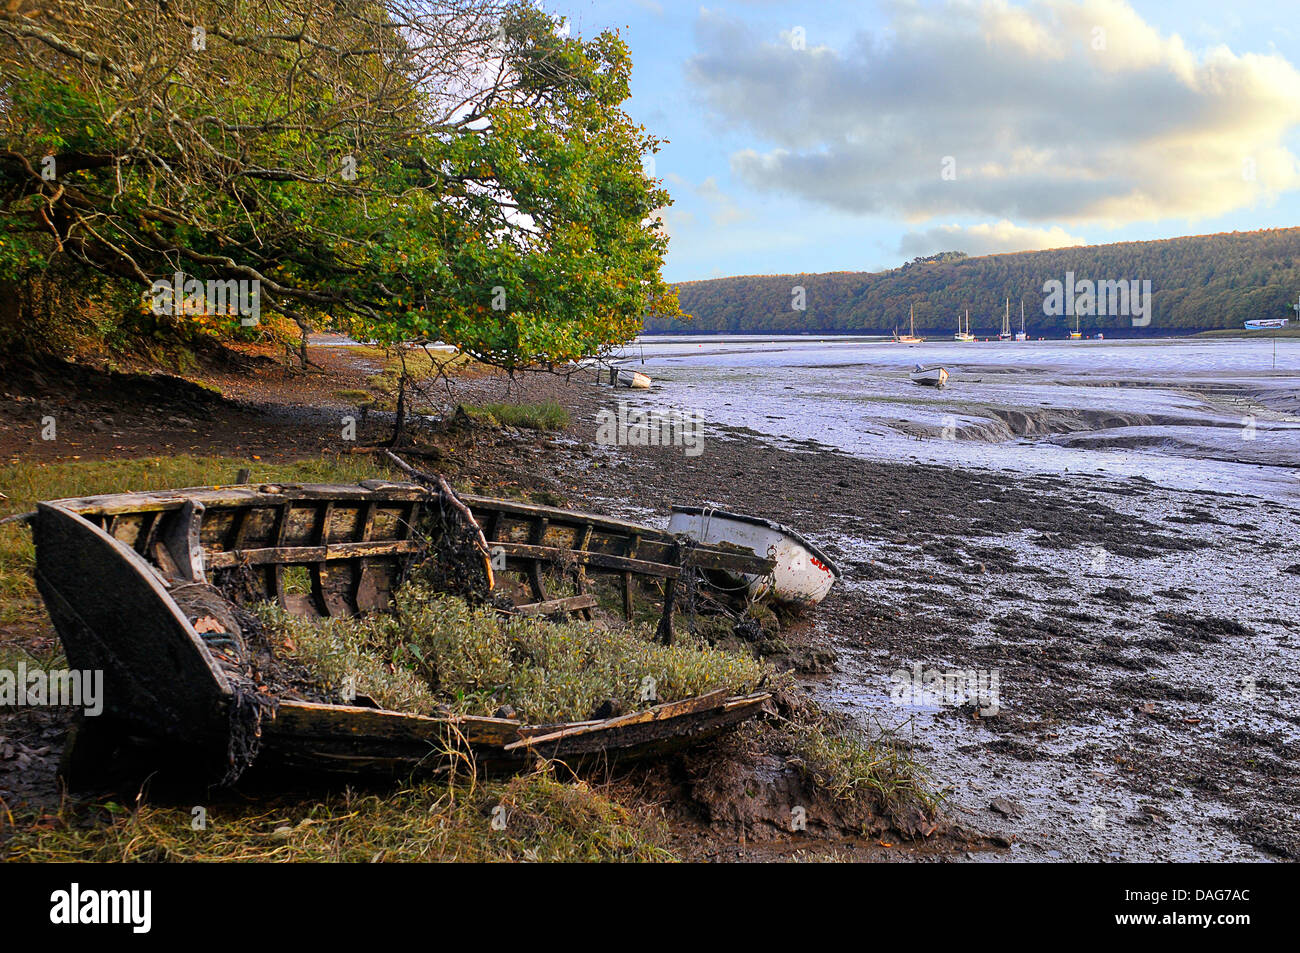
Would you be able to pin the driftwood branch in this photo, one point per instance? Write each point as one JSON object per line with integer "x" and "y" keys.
{"x": 436, "y": 481}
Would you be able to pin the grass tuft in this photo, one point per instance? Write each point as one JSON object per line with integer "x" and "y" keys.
{"x": 854, "y": 768}
{"x": 547, "y": 415}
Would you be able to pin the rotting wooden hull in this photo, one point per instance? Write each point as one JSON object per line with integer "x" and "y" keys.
{"x": 108, "y": 567}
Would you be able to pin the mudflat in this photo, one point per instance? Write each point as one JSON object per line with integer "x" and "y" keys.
{"x": 1140, "y": 637}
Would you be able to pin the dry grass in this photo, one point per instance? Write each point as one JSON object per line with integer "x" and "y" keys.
{"x": 876, "y": 771}
{"x": 533, "y": 817}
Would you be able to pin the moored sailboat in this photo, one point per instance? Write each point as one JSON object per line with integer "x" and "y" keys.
{"x": 1005, "y": 333}
{"x": 910, "y": 337}
{"x": 963, "y": 335}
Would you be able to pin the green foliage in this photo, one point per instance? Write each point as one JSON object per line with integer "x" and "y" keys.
{"x": 473, "y": 660}
{"x": 1198, "y": 283}
{"x": 428, "y": 182}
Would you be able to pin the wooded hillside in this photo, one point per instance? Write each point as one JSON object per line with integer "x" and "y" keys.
{"x": 1197, "y": 283}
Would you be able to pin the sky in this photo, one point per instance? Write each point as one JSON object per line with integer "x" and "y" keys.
{"x": 854, "y": 136}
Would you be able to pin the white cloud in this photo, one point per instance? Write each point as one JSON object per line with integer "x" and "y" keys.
{"x": 721, "y": 208}
{"x": 724, "y": 210}
{"x": 1058, "y": 110}
{"x": 985, "y": 239}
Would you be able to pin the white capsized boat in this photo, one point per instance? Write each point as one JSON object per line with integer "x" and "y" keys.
{"x": 929, "y": 376}
{"x": 626, "y": 377}
{"x": 803, "y": 574}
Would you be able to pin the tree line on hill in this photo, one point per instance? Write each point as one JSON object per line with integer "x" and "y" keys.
{"x": 1197, "y": 283}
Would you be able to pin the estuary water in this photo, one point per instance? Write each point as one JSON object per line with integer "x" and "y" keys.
{"x": 1187, "y": 413}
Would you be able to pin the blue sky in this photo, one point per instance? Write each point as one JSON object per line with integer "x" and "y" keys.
{"x": 838, "y": 136}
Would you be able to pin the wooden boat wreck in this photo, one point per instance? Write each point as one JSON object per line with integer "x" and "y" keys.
{"x": 115, "y": 572}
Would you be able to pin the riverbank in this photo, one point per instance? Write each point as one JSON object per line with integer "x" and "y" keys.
{"x": 1143, "y": 710}
{"x": 698, "y": 805}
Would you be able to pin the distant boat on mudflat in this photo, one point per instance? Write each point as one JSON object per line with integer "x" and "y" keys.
{"x": 1263, "y": 324}
{"x": 1020, "y": 335}
{"x": 1005, "y": 333}
{"x": 929, "y": 376}
{"x": 626, "y": 377}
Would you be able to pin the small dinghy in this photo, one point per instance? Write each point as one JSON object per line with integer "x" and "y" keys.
{"x": 626, "y": 377}
{"x": 803, "y": 573}
{"x": 929, "y": 376}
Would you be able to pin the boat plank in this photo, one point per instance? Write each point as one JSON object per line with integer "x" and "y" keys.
{"x": 551, "y": 606}
{"x": 663, "y": 712}
{"x": 316, "y": 720}
{"x": 308, "y": 554}
{"x": 126, "y": 626}
{"x": 601, "y": 560}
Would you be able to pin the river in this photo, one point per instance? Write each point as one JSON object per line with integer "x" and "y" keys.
{"x": 1186, "y": 413}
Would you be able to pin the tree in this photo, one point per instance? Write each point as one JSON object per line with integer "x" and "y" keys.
{"x": 457, "y": 169}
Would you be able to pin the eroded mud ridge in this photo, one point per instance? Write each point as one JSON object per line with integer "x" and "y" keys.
{"x": 1142, "y": 638}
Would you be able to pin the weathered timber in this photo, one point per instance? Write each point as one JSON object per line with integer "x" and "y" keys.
{"x": 552, "y": 606}
{"x": 108, "y": 566}
{"x": 657, "y": 713}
